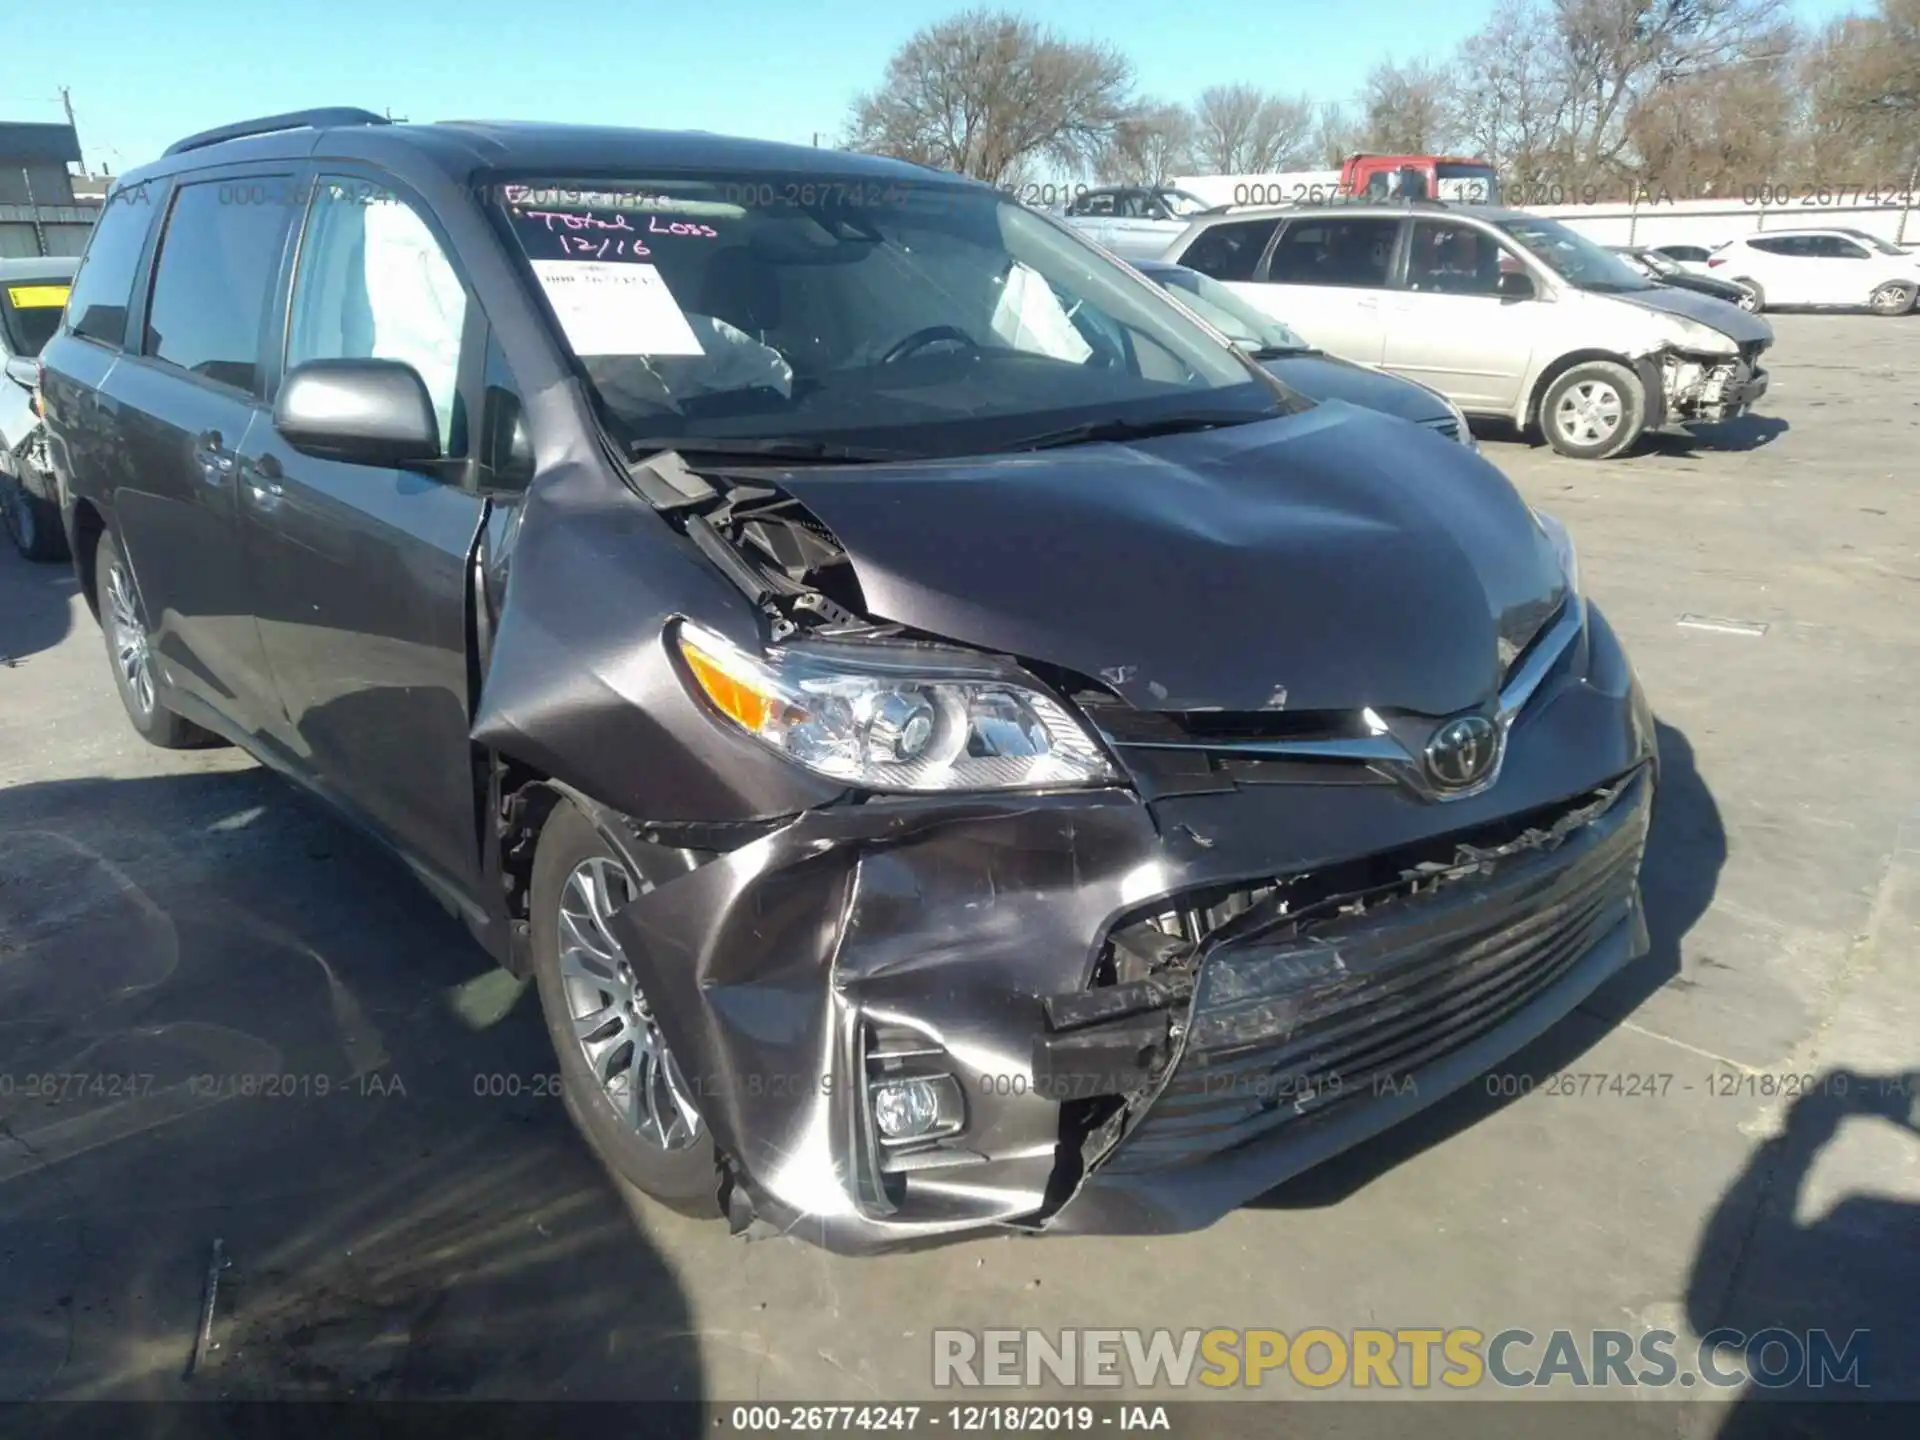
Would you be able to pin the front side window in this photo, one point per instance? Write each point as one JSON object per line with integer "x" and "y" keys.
{"x": 1335, "y": 252}
{"x": 1448, "y": 258}
{"x": 1573, "y": 257}
{"x": 374, "y": 284}
{"x": 102, "y": 290}
{"x": 219, "y": 256}
{"x": 1840, "y": 248}
{"x": 932, "y": 319}
{"x": 1230, "y": 251}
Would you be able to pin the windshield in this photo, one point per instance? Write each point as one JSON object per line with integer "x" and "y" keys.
{"x": 919, "y": 318}
{"x": 1239, "y": 320}
{"x": 30, "y": 312}
{"x": 1574, "y": 258}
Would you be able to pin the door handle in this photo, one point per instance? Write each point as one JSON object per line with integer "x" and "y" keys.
{"x": 263, "y": 478}
{"x": 212, "y": 456}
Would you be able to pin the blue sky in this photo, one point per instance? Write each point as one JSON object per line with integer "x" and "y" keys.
{"x": 143, "y": 75}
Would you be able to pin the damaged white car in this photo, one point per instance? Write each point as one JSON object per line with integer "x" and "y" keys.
{"x": 1508, "y": 314}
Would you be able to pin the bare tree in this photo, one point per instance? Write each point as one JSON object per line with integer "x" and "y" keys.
{"x": 1616, "y": 51}
{"x": 1336, "y": 135}
{"x": 1243, "y": 130}
{"x": 1403, "y": 108}
{"x": 1506, "y": 95}
{"x": 1862, "y": 82}
{"x": 990, "y": 93}
{"x": 1150, "y": 147}
{"x": 1721, "y": 131}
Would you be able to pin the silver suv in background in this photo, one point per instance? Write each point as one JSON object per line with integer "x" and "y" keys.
{"x": 1135, "y": 222}
{"x": 1507, "y": 314}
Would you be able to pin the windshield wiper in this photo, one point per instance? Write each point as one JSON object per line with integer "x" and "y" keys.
{"x": 1122, "y": 429}
{"x": 1275, "y": 352}
{"x": 764, "y": 448}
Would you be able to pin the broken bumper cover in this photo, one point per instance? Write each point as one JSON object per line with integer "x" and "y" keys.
{"x": 927, "y": 938}
{"x": 1699, "y": 389}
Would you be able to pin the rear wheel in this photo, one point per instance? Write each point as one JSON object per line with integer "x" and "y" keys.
{"x": 619, "y": 1078}
{"x": 136, "y": 674}
{"x": 1754, "y": 300}
{"x": 1893, "y": 298}
{"x": 1593, "y": 412}
{"x": 32, "y": 524}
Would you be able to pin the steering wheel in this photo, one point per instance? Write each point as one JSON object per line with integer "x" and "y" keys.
{"x": 931, "y": 335}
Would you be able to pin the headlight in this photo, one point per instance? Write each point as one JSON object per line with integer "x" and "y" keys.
{"x": 1563, "y": 550}
{"x": 1700, "y": 339}
{"x": 884, "y": 728}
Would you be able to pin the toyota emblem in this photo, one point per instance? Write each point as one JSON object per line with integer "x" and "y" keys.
{"x": 1462, "y": 752}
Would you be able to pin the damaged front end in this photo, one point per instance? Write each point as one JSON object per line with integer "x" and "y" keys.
{"x": 1709, "y": 388}
{"x": 1128, "y": 1000}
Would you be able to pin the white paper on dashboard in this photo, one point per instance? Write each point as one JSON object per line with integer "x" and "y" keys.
{"x": 611, "y": 308}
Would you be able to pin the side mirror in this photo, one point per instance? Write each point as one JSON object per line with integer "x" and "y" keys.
{"x": 362, "y": 412}
{"x": 1517, "y": 285}
{"x": 23, "y": 370}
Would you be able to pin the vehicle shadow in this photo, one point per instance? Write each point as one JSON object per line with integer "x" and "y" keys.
{"x": 36, "y": 605}
{"x": 1686, "y": 849}
{"x": 1757, "y": 1268}
{"x": 225, "y": 1017}
{"x": 1747, "y": 432}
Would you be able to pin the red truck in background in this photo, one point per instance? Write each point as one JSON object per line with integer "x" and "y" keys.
{"x": 1457, "y": 178}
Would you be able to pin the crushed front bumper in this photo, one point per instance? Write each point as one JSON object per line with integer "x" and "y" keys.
{"x": 1705, "y": 389}
{"x": 936, "y": 936}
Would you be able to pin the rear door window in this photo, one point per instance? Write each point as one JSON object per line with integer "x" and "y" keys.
{"x": 219, "y": 257}
{"x": 1229, "y": 251}
{"x": 1356, "y": 253}
{"x": 97, "y": 307}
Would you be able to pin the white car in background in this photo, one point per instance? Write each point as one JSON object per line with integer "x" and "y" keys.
{"x": 1839, "y": 267}
{"x": 1690, "y": 258}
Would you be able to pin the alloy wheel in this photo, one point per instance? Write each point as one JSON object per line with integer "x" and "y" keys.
{"x": 1589, "y": 413}
{"x": 1892, "y": 299}
{"x": 610, "y": 1015}
{"x": 1749, "y": 301}
{"x": 130, "y": 645}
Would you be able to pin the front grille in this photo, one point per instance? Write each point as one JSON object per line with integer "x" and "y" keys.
{"x": 1347, "y": 1009}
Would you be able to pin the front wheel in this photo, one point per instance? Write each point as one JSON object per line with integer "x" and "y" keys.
{"x": 1593, "y": 412}
{"x": 32, "y": 523}
{"x": 1893, "y": 298}
{"x": 620, "y": 1080}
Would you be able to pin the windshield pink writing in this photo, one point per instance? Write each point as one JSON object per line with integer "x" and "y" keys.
{"x": 580, "y": 222}
{"x": 680, "y": 227}
{"x": 605, "y": 245}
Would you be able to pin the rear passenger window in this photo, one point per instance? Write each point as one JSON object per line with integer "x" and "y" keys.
{"x": 1335, "y": 252}
{"x": 218, "y": 259}
{"x": 97, "y": 307}
{"x": 1229, "y": 251}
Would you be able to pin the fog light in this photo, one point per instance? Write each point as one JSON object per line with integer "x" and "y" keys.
{"x": 905, "y": 1109}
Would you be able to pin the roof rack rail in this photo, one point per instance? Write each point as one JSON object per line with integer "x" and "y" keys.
{"x": 272, "y": 124}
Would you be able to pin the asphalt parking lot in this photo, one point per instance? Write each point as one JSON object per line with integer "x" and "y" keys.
{"x": 407, "y": 1212}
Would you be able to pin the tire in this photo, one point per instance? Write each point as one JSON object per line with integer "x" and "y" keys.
{"x": 32, "y": 523}
{"x": 123, "y": 625}
{"x": 1593, "y": 412}
{"x": 1755, "y": 300}
{"x": 573, "y": 866}
{"x": 1893, "y": 298}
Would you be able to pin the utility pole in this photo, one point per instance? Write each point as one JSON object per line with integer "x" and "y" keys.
{"x": 66, "y": 103}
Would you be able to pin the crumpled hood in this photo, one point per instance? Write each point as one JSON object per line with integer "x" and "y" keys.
{"x": 1335, "y": 557}
{"x": 1729, "y": 319}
